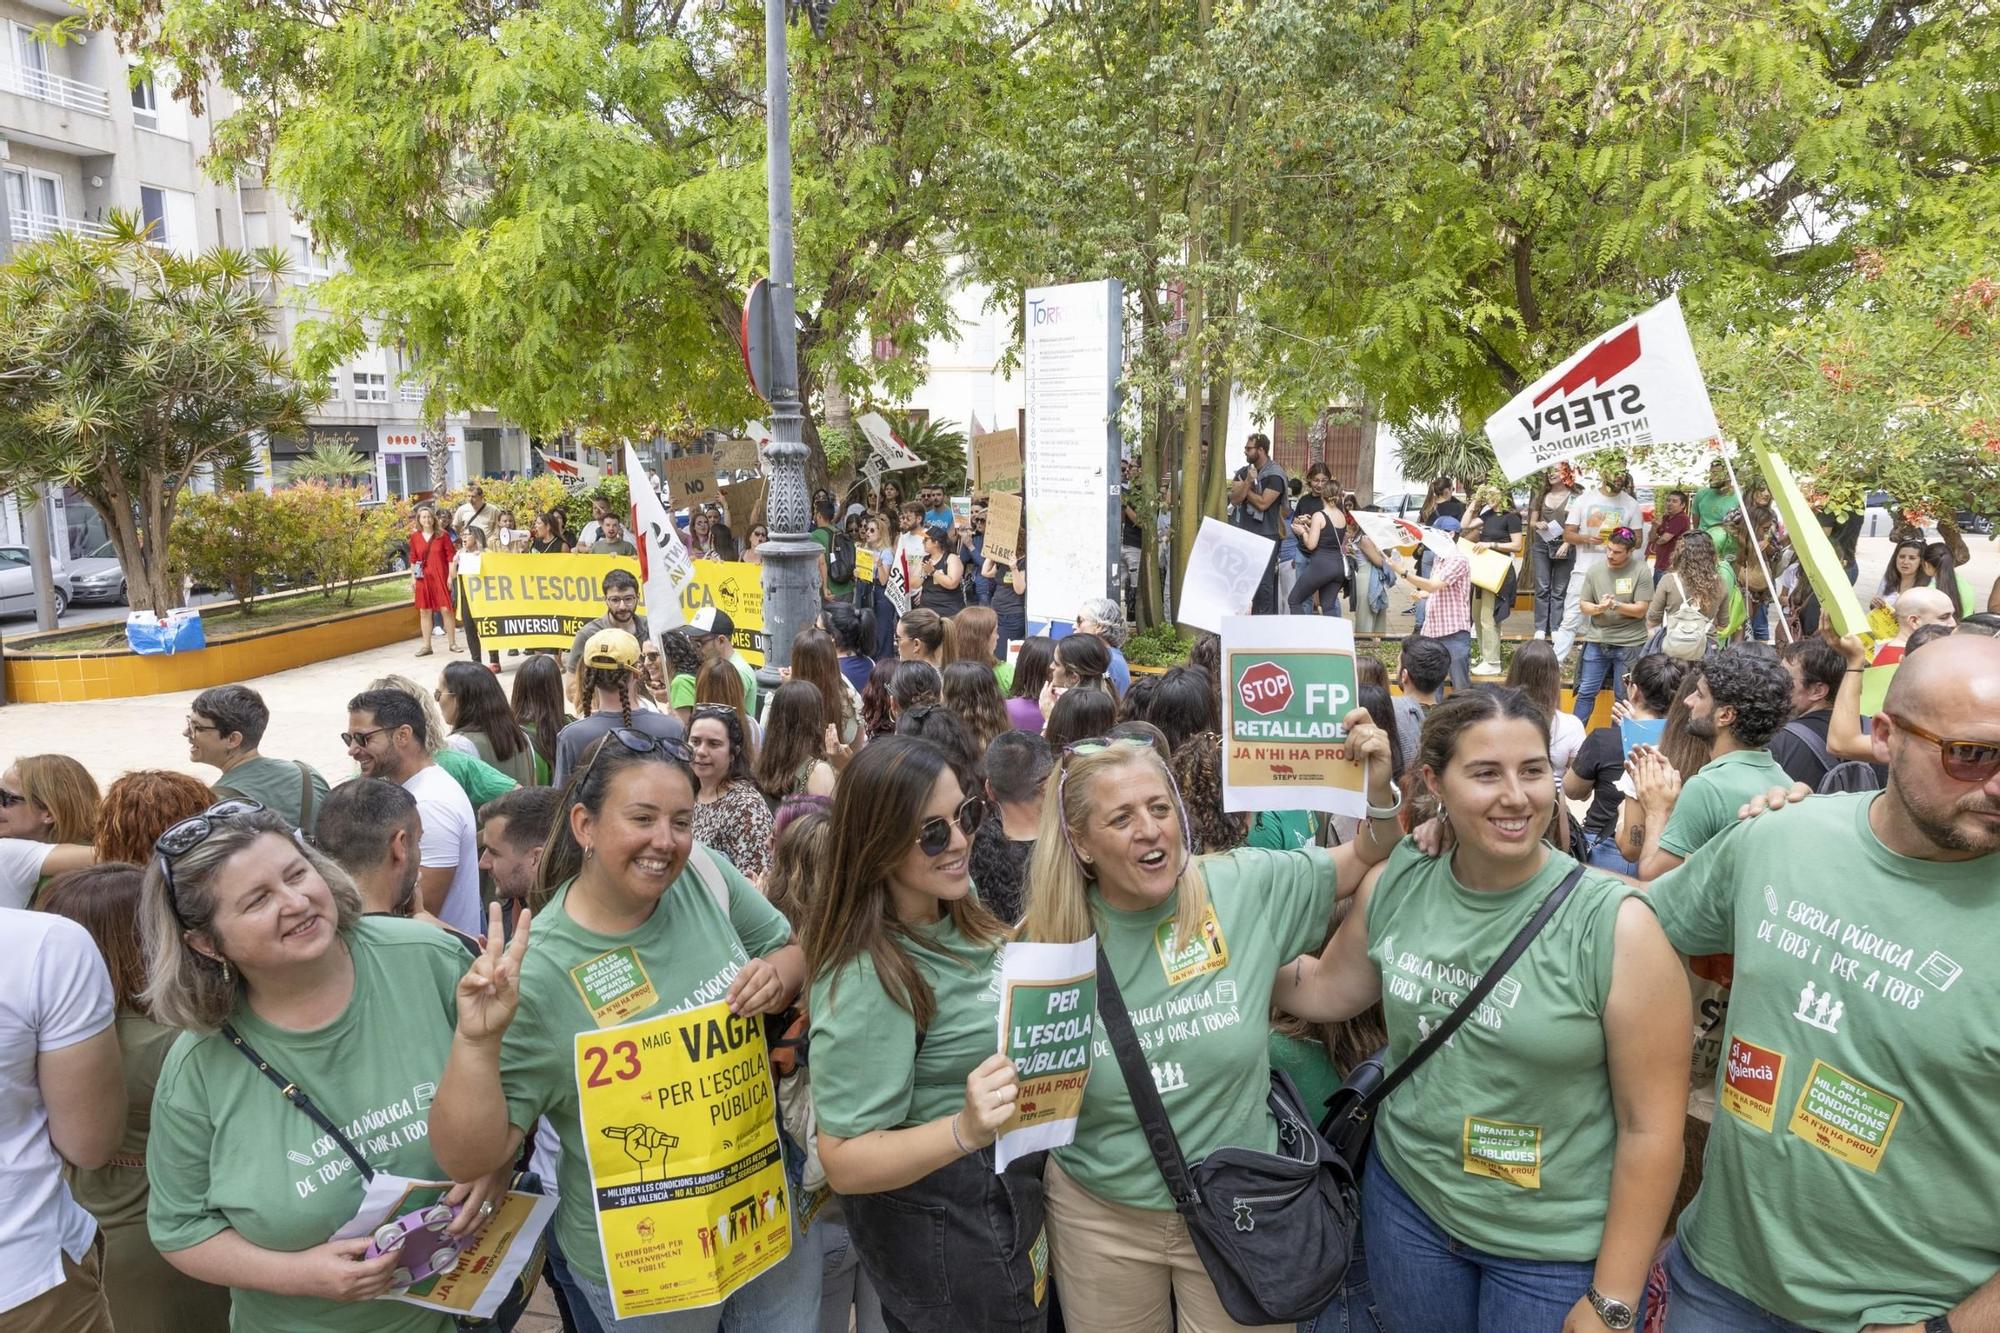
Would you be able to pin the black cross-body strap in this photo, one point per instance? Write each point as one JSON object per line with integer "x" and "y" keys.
{"x": 1139, "y": 1084}
{"x": 1487, "y": 981}
{"x": 296, "y": 1095}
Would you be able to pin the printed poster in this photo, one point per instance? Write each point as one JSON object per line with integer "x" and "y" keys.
{"x": 680, "y": 1125}
{"x": 487, "y": 1262}
{"x": 1048, "y": 1014}
{"x": 1223, "y": 571}
{"x": 1288, "y": 681}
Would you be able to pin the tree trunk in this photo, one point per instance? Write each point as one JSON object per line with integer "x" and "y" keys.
{"x": 149, "y": 586}
{"x": 437, "y": 452}
{"x": 1188, "y": 508}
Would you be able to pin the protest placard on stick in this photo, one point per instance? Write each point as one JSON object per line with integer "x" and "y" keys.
{"x": 1003, "y": 527}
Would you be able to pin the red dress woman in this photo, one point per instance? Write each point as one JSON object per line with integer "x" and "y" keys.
{"x": 430, "y": 565}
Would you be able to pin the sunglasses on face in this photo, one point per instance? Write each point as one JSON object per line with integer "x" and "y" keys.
{"x": 935, "y": 833}
{"x": 358, "y": 740}
{"x": 1964, "y": 761}
{"x": 9, "y": 799}
{"x": 182, "y": 838}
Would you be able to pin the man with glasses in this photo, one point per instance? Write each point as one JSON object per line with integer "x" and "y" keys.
{"x": 621, "y": 611}
{"x": 225, "y": 727}
{"x": 385, "y": 737}
{"x": 1851, "y": 1173}
{"x": 713, "y": 635}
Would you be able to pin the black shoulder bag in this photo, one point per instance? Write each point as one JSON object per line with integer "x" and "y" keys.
{"x": 1274, "y": 1230}
{"x": 1350, "y": 1115}
{"x": 518, "y": 1295}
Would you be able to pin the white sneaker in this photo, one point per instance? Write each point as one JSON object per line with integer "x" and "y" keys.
{"x": 1541, "y": 636}
{"x": 1488, "y": 669}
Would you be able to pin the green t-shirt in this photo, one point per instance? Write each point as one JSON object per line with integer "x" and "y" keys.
{"x": 520, "y": 768}
{"x": 1311, "y": 1068}
{"x": 1634, "y": 583}
{"x": 480, "y": 781}
{"x": 1851, "y": 1169}
{"x": 688, "y": 952}
{"x": 1505, "y": 1138}
{"x": 1710, "y": 799}
{"x": 1202, "y": 1014}
{"x": 1711, "y": 506}
{"x": 1281, "y": 830}
{"x": 867, "y": 1072}
{"x": 274, "y": 784}
{"x": 1003, "y": 673}
{"x": 680, "y": 692}
{"x": 839, "y": 592}
{"x": 226, "y": 1152}
{"x": 749, "y": 674}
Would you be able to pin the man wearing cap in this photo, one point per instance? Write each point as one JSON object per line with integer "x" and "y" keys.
{"x": 1448, "y": 608}
{"x": 610, "y": 683}
{"x": 712, "y": 633}
{"x": 621, "y": 611}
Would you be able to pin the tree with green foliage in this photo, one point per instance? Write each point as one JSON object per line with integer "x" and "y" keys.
{"x": 330, "y": 462}
{"x": 940, "y": 443}
{"x": 126, "y": 369}
{"x": 558, "y": 206}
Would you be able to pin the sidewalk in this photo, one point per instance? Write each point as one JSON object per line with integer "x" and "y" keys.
{"x": 308, "y": 712}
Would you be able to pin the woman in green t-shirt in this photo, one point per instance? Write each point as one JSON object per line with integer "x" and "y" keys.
{"x": 630, "y": 917}
{"x": 1195, "y": 944}
{"x": 907, "y": 1086}
{"x": 256, "y": 942}
{"x": 1523, "y": 1178}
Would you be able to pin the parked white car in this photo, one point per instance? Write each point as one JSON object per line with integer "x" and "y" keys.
{"x": 97, "y": 577}
{"x": 17, "y": 584}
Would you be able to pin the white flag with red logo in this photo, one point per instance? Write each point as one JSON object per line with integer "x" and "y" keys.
{"x": 664, "y": 563}
{"x": 1638, "y": 384}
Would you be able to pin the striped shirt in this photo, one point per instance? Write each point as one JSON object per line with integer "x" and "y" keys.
{"x": 1449, "y": 609}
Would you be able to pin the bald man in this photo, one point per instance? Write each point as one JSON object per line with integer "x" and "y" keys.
{"x": 1854, "y": 1121}
{"x": 1915, "y": 608}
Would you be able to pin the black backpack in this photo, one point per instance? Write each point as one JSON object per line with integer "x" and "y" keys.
{"x": 840, "y": 558}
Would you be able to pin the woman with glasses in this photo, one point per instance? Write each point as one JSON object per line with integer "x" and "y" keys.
{"x": 48, "y": 818}
{"x": 908, "y": 1090}
{"x": 619, "y": 876}
{"x": 752, "y": 551}
{"x": 1192, "y": 934}
{"x": 256, "y": 947}
{"x": 730, "y": 815}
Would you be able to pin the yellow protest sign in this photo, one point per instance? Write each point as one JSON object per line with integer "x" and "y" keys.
{"x": 680, "y": 1124}
{"x": 538, "y": 601}
{"x": 737, "y": 587}
{"x": 1816, "y": 554}
{"x": 864, "y": 565}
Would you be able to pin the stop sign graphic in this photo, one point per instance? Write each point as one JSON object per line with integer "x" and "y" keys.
{"x": 1265, "y": 688}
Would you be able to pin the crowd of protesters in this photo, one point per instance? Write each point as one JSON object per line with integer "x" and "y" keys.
{"x": 1740, "y": 1080}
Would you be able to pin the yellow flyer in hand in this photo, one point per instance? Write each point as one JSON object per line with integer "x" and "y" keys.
{"x": 681, "y": 1127}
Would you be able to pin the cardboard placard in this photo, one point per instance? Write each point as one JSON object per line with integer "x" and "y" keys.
{"x": 744, "y": 498}
{"x": 691, "y": 480}
{"x": 996, "y": 461}
{"x": 1003, "y": 528}
{"x": 737, "y": 455}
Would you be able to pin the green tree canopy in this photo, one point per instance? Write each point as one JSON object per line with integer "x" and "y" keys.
{"x": 126, "y": 368}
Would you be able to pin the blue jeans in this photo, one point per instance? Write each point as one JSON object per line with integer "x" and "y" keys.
{"x": 847, "y": 1297}
{"x": 1459, "y": 645}
{"x": 1602, "y": 663}
{"x": 1698, "y": 1304}
{"x": 1352, "y": 1310}
{"x": 1426, "y": 1282}
{"x": 784, "y": 1300}
{"x": 1604, "y": 854}
{"x": 577, "y": 1316}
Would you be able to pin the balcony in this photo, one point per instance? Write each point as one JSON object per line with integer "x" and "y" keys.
{"x": 69, "y": 94}
{"x": 25, "y": 227}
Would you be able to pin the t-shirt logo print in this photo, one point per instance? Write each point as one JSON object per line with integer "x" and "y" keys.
{"x": 1818, "y": 1008}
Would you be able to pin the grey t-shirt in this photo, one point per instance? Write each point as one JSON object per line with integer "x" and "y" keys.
{"x": 573, "y": 659}
{"x": 1270, "y": 477}
{"x": 575, "y": 740}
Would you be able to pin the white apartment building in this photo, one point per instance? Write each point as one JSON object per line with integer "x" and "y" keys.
{"x": 81, "y": 135}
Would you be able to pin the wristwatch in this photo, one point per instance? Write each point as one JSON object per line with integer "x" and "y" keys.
{"x": 1937, "y": 1323}
{"x": 1615, "y": 1314}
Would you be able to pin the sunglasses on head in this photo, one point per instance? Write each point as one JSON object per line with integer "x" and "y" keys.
{"x": 638, "y": 742}
{"x": 1137, "y": 744}
{"x": 190, "y": 833}
{"x": 934, "y": 835}
{"x": 1964, "y": 761}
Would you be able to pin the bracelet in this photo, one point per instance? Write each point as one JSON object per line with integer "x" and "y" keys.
{"x": 963, "y": 1151}
{"x": 1390, "y": 811}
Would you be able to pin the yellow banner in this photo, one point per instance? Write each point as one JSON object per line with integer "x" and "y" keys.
{"x": 541, "y": 601}
{"x": 1809, "y": 541}
{"x": 737, "y": 587}
{"x": 537, "y": 601}
{"x": 680, "y": 1124}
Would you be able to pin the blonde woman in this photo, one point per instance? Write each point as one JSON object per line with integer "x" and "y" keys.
{"x": 1187, "y": 934}
{"x": 48, "y": 819}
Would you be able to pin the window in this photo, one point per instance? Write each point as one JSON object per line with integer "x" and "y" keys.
{"x": 308, "y": 263}
{"x": 153, "y": 209}
{"x": 371, "y": 386}
{"x": 30, "y": 51}
{"x": 170, "y": 217}
{"x": 34, "y": 204}
{"x": 333, "y": 385}
{"x": 145, "y": 103}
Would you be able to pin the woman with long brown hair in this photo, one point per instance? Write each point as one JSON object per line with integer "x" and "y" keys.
{"x": 141, "y": 805}
{"x": 792, "y": 759}
{"x": 148, "y": 1294}
{"x": 730, "y": 814}
{"x": 48, "y": 818}
{"x": 909, "y": 1093}
{"x": 816, "y": 661}
{"x": 974, "y": 637}
{"x": 1536, "y": 673}
{"x": 971, "y": 692}
{"x": 1699, "y": 576}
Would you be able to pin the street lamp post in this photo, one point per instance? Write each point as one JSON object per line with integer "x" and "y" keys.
{"x": 791, "y": 557}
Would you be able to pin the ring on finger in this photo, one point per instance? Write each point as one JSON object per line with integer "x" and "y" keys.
{"x": 486, "y": 1208}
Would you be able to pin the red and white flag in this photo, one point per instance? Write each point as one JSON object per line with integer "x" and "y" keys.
{"x": 1638, "y": 384}
{"x": 664, "y": 563}
{"x": 577, "y": 476}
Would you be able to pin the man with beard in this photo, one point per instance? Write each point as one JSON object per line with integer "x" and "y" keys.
{"x": 385, "y": 738}
{"x": 1853, "y": 1137}
{"x": 1742, "y": 698}
{"x": 372, "y": 828}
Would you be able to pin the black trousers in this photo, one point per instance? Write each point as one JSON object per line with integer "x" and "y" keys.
{"x": 958, "y": 1251}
